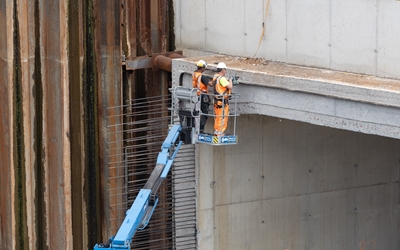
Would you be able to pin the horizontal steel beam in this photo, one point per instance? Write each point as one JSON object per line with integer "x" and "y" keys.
{"x": 158, "y": 60}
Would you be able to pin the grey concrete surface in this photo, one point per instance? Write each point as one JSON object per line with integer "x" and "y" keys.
{"x": 335, "y": 99}
{"x": 352, "y": 36}
{"x": 317, "y": 163}
{"x": 293, "y": 185}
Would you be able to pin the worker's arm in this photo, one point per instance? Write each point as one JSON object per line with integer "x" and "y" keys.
{"x": 225, "y": 83}
{"x": 206, "y": 81}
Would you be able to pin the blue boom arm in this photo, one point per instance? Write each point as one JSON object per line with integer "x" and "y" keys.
{"x": 138, "y": 216}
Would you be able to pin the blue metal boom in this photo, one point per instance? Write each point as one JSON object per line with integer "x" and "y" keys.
{"x": 138, "y": 216}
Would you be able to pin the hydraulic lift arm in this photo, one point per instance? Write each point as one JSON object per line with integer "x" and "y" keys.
{"x": 138, "y": 216}
{"x": 184, "y": 105}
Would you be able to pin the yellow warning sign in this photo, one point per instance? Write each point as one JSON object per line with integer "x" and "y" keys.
{"x": 215, "y": 140}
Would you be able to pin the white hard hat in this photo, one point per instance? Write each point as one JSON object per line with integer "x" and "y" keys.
{"x": 201, "y": 64}
{"x": 221, "y": 65}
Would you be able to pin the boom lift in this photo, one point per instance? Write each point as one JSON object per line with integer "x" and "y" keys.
{"x": 185, "y": 108}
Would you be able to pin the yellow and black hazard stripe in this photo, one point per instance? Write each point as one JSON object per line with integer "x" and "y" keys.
{"x": 215, "y": 139}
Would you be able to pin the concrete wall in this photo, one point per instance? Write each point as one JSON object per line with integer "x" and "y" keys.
{"x": 293, "y": 185}
{"x": 302, "y": 175}
{"x": 316, "y": 166}
{"x": 346, "y": 35}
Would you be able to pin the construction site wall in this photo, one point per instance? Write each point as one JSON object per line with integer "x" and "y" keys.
{"x": 311, "y": 170}
{"x": 301, "y": 178}
{"x": 292, "y": 185}
{"x": 354, "y": 36}
{"x": 62, "y": 66}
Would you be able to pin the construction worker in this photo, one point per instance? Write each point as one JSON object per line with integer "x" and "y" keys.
{"x": 222, "y": 91}
{"x": 201, "y": 82}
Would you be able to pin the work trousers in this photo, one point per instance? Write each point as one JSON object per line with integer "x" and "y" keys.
{"x": 221, "y": 118}
{"x": 205, "y": 103}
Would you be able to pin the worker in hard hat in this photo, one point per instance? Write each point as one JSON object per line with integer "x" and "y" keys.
{"x": 201, "y": 82}
{"x": 222, "y": 91}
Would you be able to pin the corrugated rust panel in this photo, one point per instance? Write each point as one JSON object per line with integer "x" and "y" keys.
{"x": 130, "y": 38}
{"x": 56, "y": 144}
{"x": 150, "y": 32}
{"x": 26, "y": 21}
{"x": 144, "y": 28}
{"x": 68, "y": 71}
{"x": 7, "y": 190}
{"x": 80, "y": 212}
{"x": 109, "y": 65}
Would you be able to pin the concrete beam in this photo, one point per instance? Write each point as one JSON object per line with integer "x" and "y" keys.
{"x": 323, "y": 97}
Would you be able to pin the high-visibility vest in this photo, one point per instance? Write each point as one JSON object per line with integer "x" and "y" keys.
{"x": 196, "y": 83}
{"x": 218, "y": 88}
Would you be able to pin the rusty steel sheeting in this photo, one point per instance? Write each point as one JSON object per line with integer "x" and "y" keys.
{"x": 56, "y": 144}
{"x": 26, "y": 20}
{"x": 54, "y": 97}
{"x": 45, "y": 133}
{"x": 108, "y": 63}
{"x": 80, "y": 211}
{"x": 148, "y": 34}
{"x": 7, "y": 187}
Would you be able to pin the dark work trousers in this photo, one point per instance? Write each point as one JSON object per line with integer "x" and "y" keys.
{"x": 205, "y": 105}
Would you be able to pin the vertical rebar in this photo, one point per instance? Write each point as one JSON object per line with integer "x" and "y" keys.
{"x": 145, "y": 126}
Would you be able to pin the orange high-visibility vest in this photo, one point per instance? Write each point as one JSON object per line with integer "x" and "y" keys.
{"x": 196, "y": 83}
{"x": 219, "y": 89}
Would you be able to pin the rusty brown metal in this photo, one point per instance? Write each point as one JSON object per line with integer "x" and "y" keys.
{"x": 144, "y": 77}
{"x": 80, "y": 211}
{"x": 26, "y": 20}
{"x": 65, "y": 59}
{"x": 7, "y": 187}
{"x": 56, "y": 126}
{"x": 159, "y": 60}
{"x": 163, "y": 62}
{"x": 140, "y": 62}
{"x": 157, "y": 84}
{"x": 109, "y": 66}
{"x": 21, "y": 144}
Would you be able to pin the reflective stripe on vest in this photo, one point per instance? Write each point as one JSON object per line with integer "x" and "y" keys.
{"x": 217, "y": 87}
{"x": 196, "y": 82}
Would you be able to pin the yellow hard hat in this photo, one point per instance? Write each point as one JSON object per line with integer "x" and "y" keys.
{"x": 201, "y": 64}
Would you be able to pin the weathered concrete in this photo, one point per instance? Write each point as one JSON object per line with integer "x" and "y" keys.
{"x": 335, "y": 99}
{"x": 351, "y": 36}
{"x": 292, "y": 185}
{"x": 301, "y": 176}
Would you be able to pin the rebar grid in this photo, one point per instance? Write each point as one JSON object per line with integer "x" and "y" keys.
{"x": 144, "y": 127}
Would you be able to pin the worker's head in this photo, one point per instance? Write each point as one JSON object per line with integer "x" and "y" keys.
{"x": 201, "y": 64}
{"x": 221, "y": 66}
